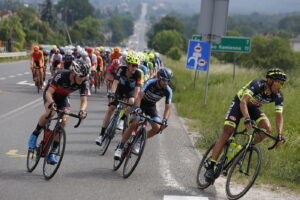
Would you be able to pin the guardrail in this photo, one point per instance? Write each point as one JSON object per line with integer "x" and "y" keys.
{"x": 13, "y": 54}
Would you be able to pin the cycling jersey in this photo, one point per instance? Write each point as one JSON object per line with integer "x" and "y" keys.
{"x": 114, "y": 56}
{"x": 99, "y": 64}
{"x": 128, "y": 83}
{"x": 68, "y": 59}
{"x": 153, "y": 93}
{"x": 111, "y": 72}
{"x": 37, "y": 56}
{"x": 256, "y": 90}
{"x": 57, "y": 58}
{"x": 62, "y": 85}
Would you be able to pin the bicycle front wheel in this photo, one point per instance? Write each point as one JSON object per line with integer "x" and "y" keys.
{"x": 136, "y": 149}
{"x": 33, "y": 158}
{"x": 243, "y": 172}
{"x": 56, "y": 147}
{"x": 109, "y": 134}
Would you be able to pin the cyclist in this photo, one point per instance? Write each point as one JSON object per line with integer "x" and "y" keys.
{"x": 68, "y": 59}
{"x": 55, "y": 61}
{"x": 99, "y": 68}
{"x": 116, "y": 54}
{"x": 76, "y": 54}
{"x": 37, "y": 60}
{"x": 46, "y": 57}
{"x": 111, "y": 73}
{"x": 126, "y": 84}
{"x": 246, "y": 104}
{"x": 56, "y": 96}
{"x": 152, "y": 92}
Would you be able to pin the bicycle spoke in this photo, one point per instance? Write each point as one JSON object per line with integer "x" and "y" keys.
{"x": 243, "y": 173}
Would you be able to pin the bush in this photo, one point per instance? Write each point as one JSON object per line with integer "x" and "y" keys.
{"x": 174, "y": 53}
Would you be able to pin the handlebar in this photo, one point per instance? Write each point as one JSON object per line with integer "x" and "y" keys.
{"x": 125, "y": 103}
{"x": 62, "y": 112}
{"x": 256, "y": 129}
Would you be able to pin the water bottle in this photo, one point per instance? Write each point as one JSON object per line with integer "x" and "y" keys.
{"x": 231, "y": 149}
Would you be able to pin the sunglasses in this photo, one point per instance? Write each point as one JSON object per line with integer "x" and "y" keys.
{"x": 278, "y": 83}
{"x": 81, "y": 76}
{"x": 165, "y": 80}
{"x": 134, "y": 65}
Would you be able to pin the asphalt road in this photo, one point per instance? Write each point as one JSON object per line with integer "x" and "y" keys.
{"x": 168, "y": 165}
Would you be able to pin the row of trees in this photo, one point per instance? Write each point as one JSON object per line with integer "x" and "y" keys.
{"x": 69, "y": 20}
{"x": 169, "y": 36}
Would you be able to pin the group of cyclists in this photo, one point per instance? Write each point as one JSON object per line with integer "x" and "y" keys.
{"x": 141, "y": 79}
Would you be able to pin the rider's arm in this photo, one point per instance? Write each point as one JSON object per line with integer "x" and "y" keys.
{"x": 139, "y": 98}
{"x": 49, "y": 95}
{"x": 167, "y": 111}
{"x": 244, "y": 109}
{"x": 136, "y": 91}
{"x": 279, "y": 122}
{"x": 114, "y": 86}
{"x": 83, "y": 103}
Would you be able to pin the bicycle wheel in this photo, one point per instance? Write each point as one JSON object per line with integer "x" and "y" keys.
{"x": 202, "y": 183}
{"x": 49, "y": 169}
{"x": 109, "y": 134}
{"x": 118, "y": 163}
{"x": 243, "y": 172}
{"x": 33, "y": 158}
{"x": 135, "y": 153}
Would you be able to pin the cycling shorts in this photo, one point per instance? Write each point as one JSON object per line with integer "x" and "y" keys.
{"x": 150, "y": 111}
{"x": 38, "y": 64}
{"x": 234, "y": 113}
{"x": 121, "y": 94}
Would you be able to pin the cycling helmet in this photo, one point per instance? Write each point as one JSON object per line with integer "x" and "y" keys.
{"x": 69, "y": 52}
{"x": 80, "y": 67}
{"x": 36, "y": 48}
{"x": 165, "y": 73}
{"x": 124, "y": 54}
{"x": 116, "y": 62}
{"x": 151, "y": 55}
{"x": 276, "y": 74}
{"x": 89, "y": 50}
{"x": 84, "y": 53}
{"x": 131, "y": 59}
{"x": 116, "y": 49}
{"x": 96, "y": 52}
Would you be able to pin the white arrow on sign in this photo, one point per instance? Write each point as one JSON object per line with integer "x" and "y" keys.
{"x": 25, "y": 83}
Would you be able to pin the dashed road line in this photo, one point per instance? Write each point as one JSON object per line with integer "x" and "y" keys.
{"x": 2, "y": 78}
{"x": 173, "y": 197}
{"x": 12, "y": 76}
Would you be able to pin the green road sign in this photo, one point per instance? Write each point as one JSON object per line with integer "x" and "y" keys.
{"x": 230, "y": 44}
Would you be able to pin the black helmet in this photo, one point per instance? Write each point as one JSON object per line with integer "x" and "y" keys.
{"x": 80, "y": 67}
{"x": 276, "y": 74}
{"x": 165, "y": 72}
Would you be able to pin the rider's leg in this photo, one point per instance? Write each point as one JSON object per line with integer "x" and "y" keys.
{"x": 223, "y": 138}
{"x": 127, "y": 133}
{"x": 153, "y": 131}
{"x": 107, "y": 117}
{"x": 265, "y": 124}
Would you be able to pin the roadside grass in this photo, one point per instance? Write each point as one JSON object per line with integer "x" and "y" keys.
{"x": 280, "y": 166}
{"x": 11, "y": 59}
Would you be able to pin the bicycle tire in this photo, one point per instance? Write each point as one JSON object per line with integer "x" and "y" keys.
{"x": 60, "y": 153}
{"x": 34, "y": 155}
{"x": 117, "y": 163}
{"x": 200, "y": 176}
{"x": 236, "y": 167}
{"x": 109, "y": 134}
{"x": 142, "y": 136}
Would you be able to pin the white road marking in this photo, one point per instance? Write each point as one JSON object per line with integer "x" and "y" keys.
{"x": 12, "y": 76}
{"x": 32, "y": 103}
{"x": 19, "y": 74}
{"x": 2, "y": 78}
{"x": 14, "y": 153}
{"x": 25, "y": 83}
{"x": 173, "y": 197}
{"x": 26, "y": 72}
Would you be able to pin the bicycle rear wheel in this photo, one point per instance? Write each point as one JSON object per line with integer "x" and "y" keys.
{"x": 135, "y": 153}
{"x": 109, "y": 134}
{"x": 243, "y": 172}
{"x": 33, "y": 158}
{"x": 49, "y": 169}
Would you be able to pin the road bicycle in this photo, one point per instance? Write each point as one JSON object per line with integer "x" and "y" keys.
{"x": 46, "y": 146}
{"x": 112, "y": 126}
{"x": 241, "y": 168}
{"x": 37, "y": 78}
{"x": 134, "y": 147}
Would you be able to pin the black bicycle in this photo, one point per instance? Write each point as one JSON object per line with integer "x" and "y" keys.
{"x": 56, "y": 135}
{"x": 112, "y": 126}
{"x": 241, "y": 170}
{"x": 134, "y": 147}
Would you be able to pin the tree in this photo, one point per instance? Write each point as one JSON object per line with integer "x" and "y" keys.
{"x": 73, "y": 10}
{"x": 11, "y": 30}
{"x": 48, "y": 13}
{"x": 174, "y": 53}
{"x": 89, "y": 31}
{"x": 290, "y": 23}
{"x": 116, "y": 26}
{"x": 165, "y": 40}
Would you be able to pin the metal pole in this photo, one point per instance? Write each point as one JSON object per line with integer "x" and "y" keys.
{"x": 206, "y": 81}
{"x": 234, "y": 64}
{"x": 195, "y": 78}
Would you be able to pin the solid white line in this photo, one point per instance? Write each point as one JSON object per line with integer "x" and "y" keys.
{"x": 173, "y": 197}
{"x": 19, "y": 109}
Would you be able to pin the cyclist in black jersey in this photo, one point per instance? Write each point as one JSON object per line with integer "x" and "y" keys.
{"x": 150, "y": 94}
{"x": 56, "y": 96}
{"x": 126, "y": 84}
{"x": 246, "y": 104}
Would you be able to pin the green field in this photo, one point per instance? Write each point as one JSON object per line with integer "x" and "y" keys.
{"x": 280, "y": 166}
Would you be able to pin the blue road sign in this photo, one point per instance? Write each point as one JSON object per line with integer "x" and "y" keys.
{"x": 198, "y": 55}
